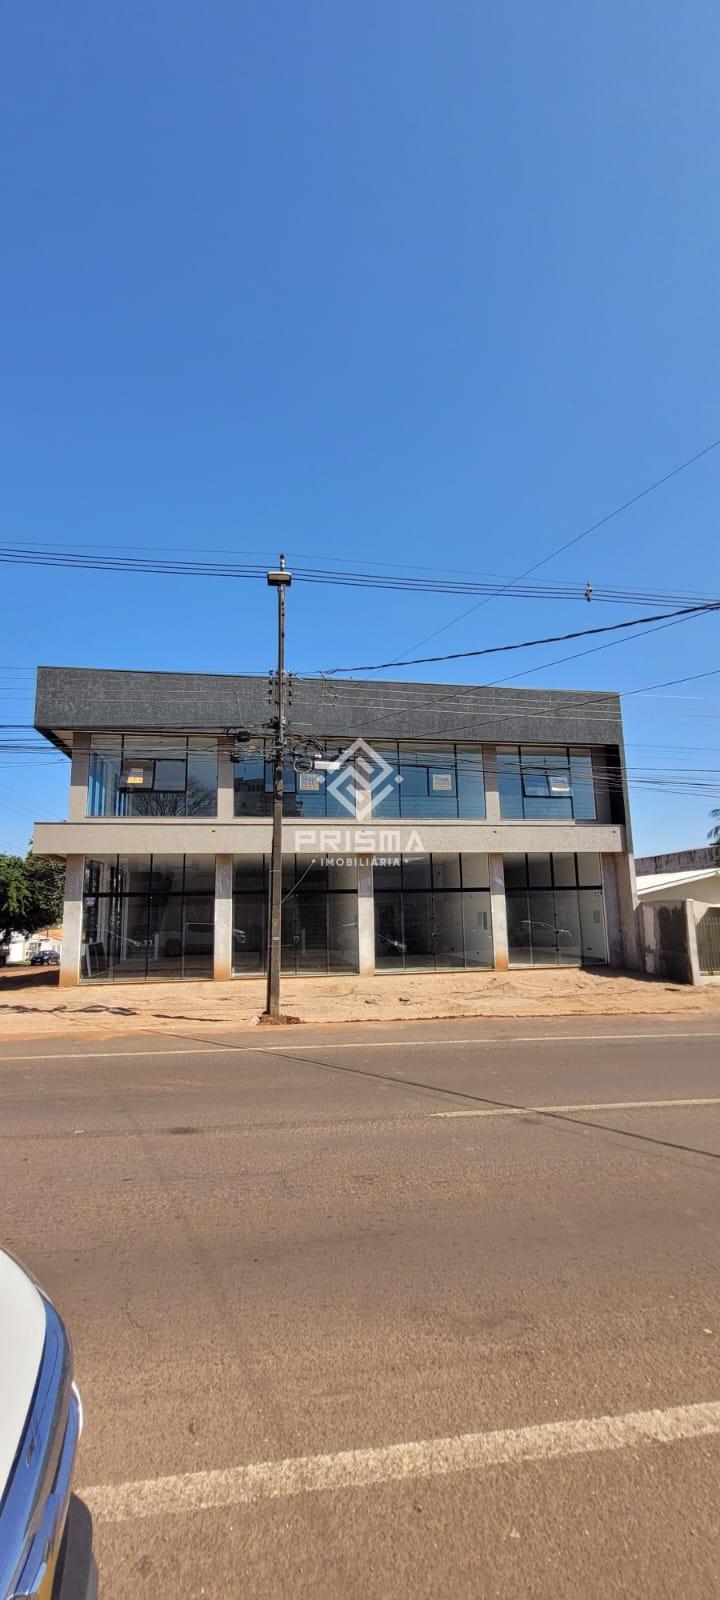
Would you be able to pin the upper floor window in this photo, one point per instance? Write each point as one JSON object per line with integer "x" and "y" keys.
{"x": 439, "y": 781}
{"x": 305, "y": 794}
{"x": 554, "y": 784}
{"x": 442, "y": 781}
{"x": 155, "y": 776}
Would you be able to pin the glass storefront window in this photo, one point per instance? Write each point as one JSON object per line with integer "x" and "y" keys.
{"x": 148, "y": 917}
{"x": 156, "y": 776}
{"x": 319, "y": 915}
{"x": 475, "y": 871}
{"x": 588, "y": 869}
{"x": 431, "y": 913}
{"x": 551, "y": 920}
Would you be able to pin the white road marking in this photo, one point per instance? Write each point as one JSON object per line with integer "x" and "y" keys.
{"x": 357, "y": 1044}
{"x": 426, "y": 1458}
{"x": 594, "y": 1105}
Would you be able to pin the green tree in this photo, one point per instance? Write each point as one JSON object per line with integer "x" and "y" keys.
{"x": 31, "y": 893}
{"x": 714, "y": 833}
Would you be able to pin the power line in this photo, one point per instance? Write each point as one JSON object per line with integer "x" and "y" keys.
{"x": 181, "y": 567}
{"x": 526, "y": 644}
{"x": 593, "y": 528}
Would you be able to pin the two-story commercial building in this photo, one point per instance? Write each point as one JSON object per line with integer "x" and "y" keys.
{"x": 426, "y": 826}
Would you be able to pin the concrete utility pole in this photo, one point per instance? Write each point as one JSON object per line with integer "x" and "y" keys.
{"x": 278, "y": 579}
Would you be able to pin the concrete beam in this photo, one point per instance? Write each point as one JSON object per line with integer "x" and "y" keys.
{"x": 210, "y": 836}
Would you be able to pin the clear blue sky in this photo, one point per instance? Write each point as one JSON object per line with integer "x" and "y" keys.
{"x": 399, "y": 282}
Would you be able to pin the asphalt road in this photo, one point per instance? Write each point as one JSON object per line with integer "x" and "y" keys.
{"x": 316, "y": 1254}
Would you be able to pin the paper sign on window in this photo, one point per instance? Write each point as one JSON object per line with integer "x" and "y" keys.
{"x": 442, "y": 782}
{"x": 309, "y": 782}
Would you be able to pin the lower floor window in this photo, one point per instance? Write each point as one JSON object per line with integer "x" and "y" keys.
{"x": 154, "y": 916}
{"x": 148, "y": 917}
{"x": 319, "y": 915}
{"x": 555, "y": 910}
{"x": 433, "y": 911}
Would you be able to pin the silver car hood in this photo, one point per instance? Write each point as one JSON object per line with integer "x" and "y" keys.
{"x": 22, "y": 1337}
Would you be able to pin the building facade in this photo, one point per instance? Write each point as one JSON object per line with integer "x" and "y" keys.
{"x": 426, "y": 826}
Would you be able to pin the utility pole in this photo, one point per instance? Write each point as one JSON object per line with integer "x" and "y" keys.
{"x": 279, "y": 579}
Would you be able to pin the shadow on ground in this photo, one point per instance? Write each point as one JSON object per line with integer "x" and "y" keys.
{"x": 29, "y": 977}
{"x": 78, "y": 1576}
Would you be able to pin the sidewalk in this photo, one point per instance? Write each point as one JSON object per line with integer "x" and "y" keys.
{"x": 32, "y": 1006}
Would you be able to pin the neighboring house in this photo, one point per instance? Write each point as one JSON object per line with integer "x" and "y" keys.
{"x": 694, "y": 883}
{"x": 12, "y": 950}
{"x": 21, "y": 946}
{"x": 691, "y": 876}
{"x": 485, "y": 827}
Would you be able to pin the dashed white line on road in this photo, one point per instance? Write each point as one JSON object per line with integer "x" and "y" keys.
{"x": 426, "y": 1458}
{"x": 209, "y": 1048}
{"x": 594, "y": 1105}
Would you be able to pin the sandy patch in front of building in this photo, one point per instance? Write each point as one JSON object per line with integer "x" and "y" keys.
{"x": 30, "y": 1010}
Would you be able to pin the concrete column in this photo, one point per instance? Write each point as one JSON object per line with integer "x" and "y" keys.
{"x": 492, "y": 795}
{"x": 693, "y": 956}
{"x": 222, "y": 964}
{"x": 627, "y": 907}
{"x": 226, "y": 792}
{"x": 366, "y": 917}
{"x": 72, "y": 922}
{"x": 79, "y": 774}
{"x": 613, "y": 925}
{"x": 498, "y": 911}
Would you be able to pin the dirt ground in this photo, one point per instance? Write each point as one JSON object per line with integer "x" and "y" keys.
{"x": 33, "y": 1006}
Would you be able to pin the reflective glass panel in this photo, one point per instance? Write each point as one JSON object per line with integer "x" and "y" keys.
{"x": 249, "y": 922}
{"x": 250, "y": 872}
{"x": 416, "y": 872}
{"x": 470, "y": 782}
{"x": 539, "y": 873}
{"x": 515, "y": 869}
{"x": 199, "y": 874}
{"x": 583, "y": 787}
{"x": 475, "y": 871}
{"x": 202, "y": 778}
{"x": 342, "y": 932}
{"x": 446, "y": 871}
{"x": 198, "y": 936}
{"x": 589, "y": 870}
{"x": 167, "y": 874}
{"x": 518, "y": 928}
{"x": 564, "y": 871}
{"x": 509, "y": 782}
{"x": 389, "y": 942}
{"x": 477, "y": 928}
{"x": 448, "y": 929}
{"x": 251, "y": 793}
{"x": 165, "y": 936}
{"x": 567, "y": 920}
